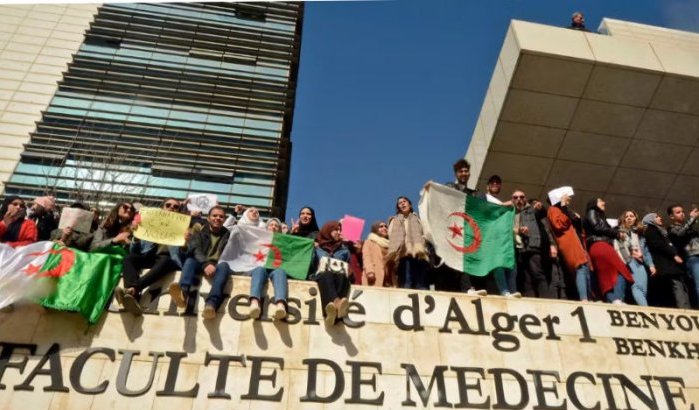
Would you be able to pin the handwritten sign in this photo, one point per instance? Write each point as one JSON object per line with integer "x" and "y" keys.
{"x": 201, "y": 202}
{"x": 352, "y": 228}
{"x": 78, "y": 219}
{"x": 163, "y": 227}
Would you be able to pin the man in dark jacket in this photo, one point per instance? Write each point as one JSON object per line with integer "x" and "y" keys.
{"x": 534, "y": 243}
{"x": 684, "y": 234}
{"x": 205, "y": 249}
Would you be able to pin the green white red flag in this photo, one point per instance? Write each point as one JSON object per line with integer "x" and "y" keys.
{"x": 59, "y": 277}
{"x": 469, "y": 234}
{"x": 250, "y": 247}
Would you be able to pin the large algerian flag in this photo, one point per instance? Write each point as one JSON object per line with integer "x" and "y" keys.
{"x": 84, "y": 281}
{"x": 59, "y": 277}
{"x": 250, "y": 247}
{"x": 469, "y": 234}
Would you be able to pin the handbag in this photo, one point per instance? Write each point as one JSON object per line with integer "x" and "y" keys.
{"x": 332, "y": 265}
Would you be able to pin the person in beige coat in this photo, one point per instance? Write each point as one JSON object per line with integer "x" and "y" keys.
{"x": 374, "y": 254}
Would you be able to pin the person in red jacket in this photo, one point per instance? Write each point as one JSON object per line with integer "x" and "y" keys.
{"x": 15, "y": 230}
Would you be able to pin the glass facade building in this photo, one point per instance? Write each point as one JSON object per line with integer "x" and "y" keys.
{"x": 166, "y": 100}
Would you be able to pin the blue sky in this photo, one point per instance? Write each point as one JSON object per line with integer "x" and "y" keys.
{"x": 389, "y": 91}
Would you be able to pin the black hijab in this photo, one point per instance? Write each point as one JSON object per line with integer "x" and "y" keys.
{"x": 12, "y": 232}
{"x": 311, "y": 228}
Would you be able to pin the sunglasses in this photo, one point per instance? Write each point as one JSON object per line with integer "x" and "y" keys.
{"x": 171, "y": 205}
{"x": 127, "y": 208}
{"x": 518, "y": 196}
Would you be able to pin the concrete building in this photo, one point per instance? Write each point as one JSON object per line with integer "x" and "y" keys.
{"x": 147, "y": 101}
{"x": 614, "y": 114}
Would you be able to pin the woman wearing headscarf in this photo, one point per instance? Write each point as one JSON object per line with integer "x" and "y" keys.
{"x": 634, "y": 252}
{"x": 306, "y": 225}
{"x": 330, "y": 270}
{"x": 15, "y": 230}
{"x": 407, "y": 248}
{"x": 279, "y": 280}
{"x": 116, "y": 228}
{"x": 613, "y": 276}
{"x": 374, "y": 254}
{"x": 563, "y": 225}
{"x": 669, "y": 265}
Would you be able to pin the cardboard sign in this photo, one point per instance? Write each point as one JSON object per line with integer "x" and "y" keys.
{"x": 352, "y": 228}
{"x": 201, "y": 202}
{"x": 78, "y": 219}
{"x": 163, "y": 227}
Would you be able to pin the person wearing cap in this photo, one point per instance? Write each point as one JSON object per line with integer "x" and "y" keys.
{"x": 41, "y": 213}
{"x": 577, "y": 21}
{"x": 565, "y": 225}
{"x": 493, "y": 190}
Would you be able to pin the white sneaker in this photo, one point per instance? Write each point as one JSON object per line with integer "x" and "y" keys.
{"x": 617, "y": 302}
{"x": 515, "y": 295}
{"x": 279, "y": 311}
{"x": 479, "y": 292}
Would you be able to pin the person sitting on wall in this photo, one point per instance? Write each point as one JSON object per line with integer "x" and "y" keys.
{"x": 330, "y": 270}
{"x": 144, "y": 254}
{"x": 116, "y": 228}
{"x": 15, "y": 230}
{"x": 279, "y": 280}
{"x": 67, "y": 236}
{"x": 204, "y": 251}
{"x": 42, "y": 214}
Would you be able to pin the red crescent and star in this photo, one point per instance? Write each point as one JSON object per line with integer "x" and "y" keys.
{"x": 260, "y": 257}
{"x": 458, "y": 230}
{"x": 65, "y": 263}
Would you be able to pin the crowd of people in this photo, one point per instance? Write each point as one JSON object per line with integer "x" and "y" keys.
{"x": 560, "y": 254}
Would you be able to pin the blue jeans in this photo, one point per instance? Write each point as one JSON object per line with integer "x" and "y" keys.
{"x": 582, "y": 281}
{"x": 693, "y": 271}
{"x": 639, "y": 288}
{"x": 505, "y": 279}
{"x": 223, "y": 271}
{"x": 259, "y": 277}
{"x": 177, "y": 256}
{"x": 412, "y": 273}
{"x": 190, "y": 269}
{"x": 618, "y": 291}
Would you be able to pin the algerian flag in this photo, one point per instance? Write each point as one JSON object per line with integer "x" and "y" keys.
{"x": 250, "y": 247}
{"x": 84, "y": 281}
{"x": 469, "y": 234}
{"x": 19, "y": 270}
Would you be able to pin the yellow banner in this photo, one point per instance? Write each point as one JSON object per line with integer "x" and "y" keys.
{"x": 163, "y": 227}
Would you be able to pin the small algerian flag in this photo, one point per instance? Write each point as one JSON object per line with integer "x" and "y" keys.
{"x": 469, "y": 234}
{"x": 250, "y": 247}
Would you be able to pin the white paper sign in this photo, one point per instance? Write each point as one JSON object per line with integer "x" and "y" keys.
{"x": 78, "y": 219}
{"x": 201, "y": 202}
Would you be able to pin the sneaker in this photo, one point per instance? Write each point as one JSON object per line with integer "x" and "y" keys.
{"x": 344, "y": 308}
{"x": 617, "y": 302}
{"x": 330, "y": 314}
{"x": 209, "y": 311}
{"x": 479, "y": 292}
{"x": 119, "y": 293}
{"x": 279, "y": 311}
{"x": 255, "y": 309}
{"x": 131, "y": 305}
{"x": 515, "y": 295}
{"x": 177, "y": 295}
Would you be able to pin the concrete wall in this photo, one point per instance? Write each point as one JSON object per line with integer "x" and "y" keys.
{"x": 37, "y": 42}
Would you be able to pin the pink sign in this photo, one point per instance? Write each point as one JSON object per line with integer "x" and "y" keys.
{"x": 352, "y": 228}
